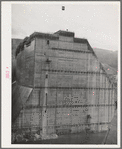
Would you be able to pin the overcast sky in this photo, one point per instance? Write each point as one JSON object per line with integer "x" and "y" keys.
{"x": 99, "y": 22}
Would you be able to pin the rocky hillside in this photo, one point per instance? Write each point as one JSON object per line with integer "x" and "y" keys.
{"x": 108, "y": 58}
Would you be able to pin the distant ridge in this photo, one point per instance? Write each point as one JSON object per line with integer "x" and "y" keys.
{"x": 107, "y": 57}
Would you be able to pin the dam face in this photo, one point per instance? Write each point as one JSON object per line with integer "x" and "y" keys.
{"x": 61, "y": 87}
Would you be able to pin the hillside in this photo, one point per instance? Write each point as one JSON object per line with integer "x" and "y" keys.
{"x": 15, "y": 43}
{"x": 109, "y": 60}
{"x": 107, "y": 57}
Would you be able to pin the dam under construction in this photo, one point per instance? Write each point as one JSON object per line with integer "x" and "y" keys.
{"x": 61, "y": 87}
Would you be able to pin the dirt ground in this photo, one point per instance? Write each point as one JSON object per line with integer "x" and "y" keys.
{"x": 82, "y": 138}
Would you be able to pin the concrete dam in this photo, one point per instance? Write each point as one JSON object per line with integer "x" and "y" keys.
{"x": 61, "y": 87}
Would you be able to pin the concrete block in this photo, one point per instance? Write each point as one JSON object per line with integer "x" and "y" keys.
{"x": 102, "y": 114}
{"x": 84, "y": 47}
{"x": 73, "y": 129}
{"x": 40, "y": 44}
{"x": 65, "y": 45}
{"x": 52, "y": 80}
{"x": 66, "y": 39}
{"x": 101, "y": 97}
{"x": 76, "y": 46}
{"x": 39, "y": 80}
{"x": 104, "y": 127}
{"x": 50, "y": 130}
{"x": 34, "y": 98}
{"x": 59, "y": 97}
{"x": 106, "y": 113}
{"x": 51, "y": 97}
{"x": 53, "y": 44}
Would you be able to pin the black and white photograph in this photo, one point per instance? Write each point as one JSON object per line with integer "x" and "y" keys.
{"x": 63, "y": 73}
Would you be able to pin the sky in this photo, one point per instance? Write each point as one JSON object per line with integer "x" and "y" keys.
{"x": 99, "y": 22}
